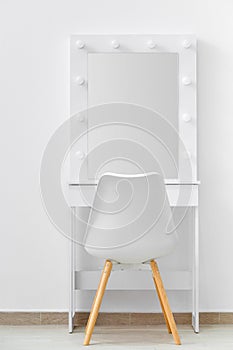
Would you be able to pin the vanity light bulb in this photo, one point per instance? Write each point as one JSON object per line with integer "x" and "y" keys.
{"x": 186, "y": 81}
{"x": 151, "y": 44}
{"x": 186, "y": 117}
{"x": 80, "y": 80}
{"x": 81, "y": 118}
{"x": 80, "y": 44}
{"x": 115, "y": 44}
{"x": 80, "y": 154}
{"x": 187, "y": 44}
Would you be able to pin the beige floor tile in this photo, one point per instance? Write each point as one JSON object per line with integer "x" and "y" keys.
{"x": 212, "y": 337}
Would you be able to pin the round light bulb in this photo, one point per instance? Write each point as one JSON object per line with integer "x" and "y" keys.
{"x": 81, "y": 118}
{"x": 186, "y": 80}
{"x": 80, "y": 154}
{"x": 187, "y": 44}
{"x": 151, "y": 44}
{"x": 115, "y": 44}
{"x": 80, "y": 44}
{"x": 186, "y": 117}
{"x": 80, "y": 80}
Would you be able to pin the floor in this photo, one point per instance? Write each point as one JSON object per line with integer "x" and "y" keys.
{"x": 216, "y": 337}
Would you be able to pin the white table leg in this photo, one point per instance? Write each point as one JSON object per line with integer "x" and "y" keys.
{"x": 72, "y": 285}
{"x": 195, "y": 311}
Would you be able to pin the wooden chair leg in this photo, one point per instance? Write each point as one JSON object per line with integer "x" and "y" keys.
{"x": 88, "y": 321}
{"x": 162, "y": 307}
{"x": 164, "y": 301}
{"x": 97, "y": 301}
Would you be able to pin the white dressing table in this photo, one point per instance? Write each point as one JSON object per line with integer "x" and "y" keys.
{"x": 80, "y": 190}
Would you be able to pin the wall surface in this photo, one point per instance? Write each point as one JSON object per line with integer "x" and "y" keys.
{"x": 34, "y": 90}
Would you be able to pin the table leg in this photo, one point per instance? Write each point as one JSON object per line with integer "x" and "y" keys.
{"x": 195, "y": 311}
{"x": 72, "y": 276}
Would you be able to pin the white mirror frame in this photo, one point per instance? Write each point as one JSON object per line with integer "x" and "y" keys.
{"x": 184, "y": 45}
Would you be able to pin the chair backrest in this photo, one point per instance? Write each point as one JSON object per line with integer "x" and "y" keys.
{"x": 131, "y": 219}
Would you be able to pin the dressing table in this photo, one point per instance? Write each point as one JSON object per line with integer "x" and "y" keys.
{"x": 129, "y": 90}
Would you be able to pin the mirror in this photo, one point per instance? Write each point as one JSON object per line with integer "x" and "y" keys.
{"x": 145, "y": 79}
{"x": 143, "y": 92}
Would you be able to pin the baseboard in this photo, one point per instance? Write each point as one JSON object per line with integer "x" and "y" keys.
{"x": 110, "y": 319}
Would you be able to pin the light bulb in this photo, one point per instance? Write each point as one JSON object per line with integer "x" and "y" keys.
{"x": 80, "y": 80}
{"x": 80, "y": 44}
{"x": 186, "y": 80}
{"x": 187, "y": 44}
{"x": 151, "y": 44}
{"x": 186, "y": 117}
{"x": 115, "y": 44}
{"x": 80, "y": 154}
{"x": 81, "y": 118}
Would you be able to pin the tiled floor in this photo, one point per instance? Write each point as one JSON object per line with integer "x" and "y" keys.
{"x": 219, "y": 337}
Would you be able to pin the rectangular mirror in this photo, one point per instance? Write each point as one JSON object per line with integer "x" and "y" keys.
{"x": 148, "y": 80}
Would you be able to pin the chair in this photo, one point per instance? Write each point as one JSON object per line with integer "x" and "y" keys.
{"x": 130, "y": 224}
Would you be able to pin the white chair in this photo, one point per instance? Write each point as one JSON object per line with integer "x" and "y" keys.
{"x": 130, "y": 224}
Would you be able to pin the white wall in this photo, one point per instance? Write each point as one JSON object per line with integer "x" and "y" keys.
{"x": 34, "y": 94}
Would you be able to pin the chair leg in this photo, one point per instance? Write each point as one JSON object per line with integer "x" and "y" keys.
{"x": 88, "y": 321}
{"x": 162, "y": 307}
{"x": 164, "y": 301}
{"x": 97, "y": 301}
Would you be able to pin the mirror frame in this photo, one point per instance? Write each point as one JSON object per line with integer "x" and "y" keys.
{"x": 183, "y": 45}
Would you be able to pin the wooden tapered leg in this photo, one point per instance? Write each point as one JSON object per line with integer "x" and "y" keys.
{"x": 162, "y": 307}
{"x": 88, "y": 321}
{"x": 164, "y": 301}
{"x": 97, "y": 301}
